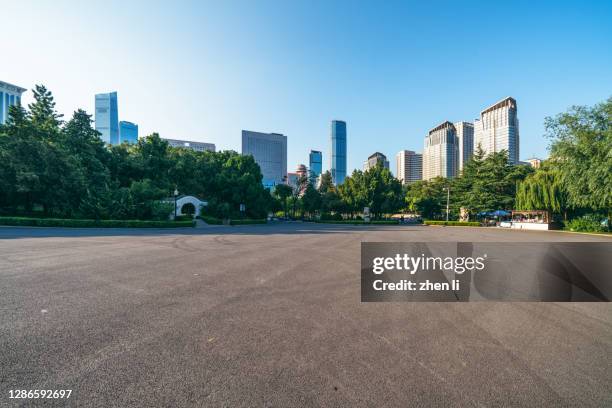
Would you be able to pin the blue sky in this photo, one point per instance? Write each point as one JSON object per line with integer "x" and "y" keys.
{"x": 392, "y": 70}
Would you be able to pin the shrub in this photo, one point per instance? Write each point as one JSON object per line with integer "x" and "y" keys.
{"x": 211, "y": 220}
{"x": 249, "y": 221}
{"x": 453, "y": 223}
{"x": 84, "y": 223}
{"x": 183, "y": 218}
{"x": 359, "y": 222}
{"x": 331, "y": 217}
{"x": 586, "y": 223}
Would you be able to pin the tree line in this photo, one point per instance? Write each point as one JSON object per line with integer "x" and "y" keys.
{"x": 63, "y": 169}
{"x": 575, "y": 181}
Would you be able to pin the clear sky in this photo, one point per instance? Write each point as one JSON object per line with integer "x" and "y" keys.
{"x": 392, "y": 70}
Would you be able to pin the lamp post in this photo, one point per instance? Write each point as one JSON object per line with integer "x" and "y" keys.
{"x": 447, "y": 189}
{"x": 175, "y": 196}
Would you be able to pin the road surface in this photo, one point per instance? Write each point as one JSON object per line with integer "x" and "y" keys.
{"x": 270, "y": 316}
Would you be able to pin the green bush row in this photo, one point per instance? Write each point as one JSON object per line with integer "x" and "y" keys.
{"x": 453, "y": 223}
{"x": 249, "y": 221}
{"x": 81, "y": 223}
{"x": 586, "y": 223}
{"x": 358, "y": 222}
{"x": 211, "y": 220}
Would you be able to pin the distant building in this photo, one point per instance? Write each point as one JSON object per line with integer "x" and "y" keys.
{"x": 128, "y": 132}
{"x": 409, "y": 166}
{"x": 374, "y": 160}
{"x": 186, "y": 144}
{"x": 9, "y": 95}
{"x": 315, "y": 164}
{"x": 302, "y": 170}
{"x": 498, "y": 129}
{"x": 269, "y": 151}
{"x": 337, "y": 158}
{"x": 441, "y": 152}
{"x": 465, "y": 138}
{"x": 107, "y": 117}
{"x": 534, "y": 162}
{"x": 292, "y": 180}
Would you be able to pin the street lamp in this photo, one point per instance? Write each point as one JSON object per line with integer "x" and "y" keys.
{"x": 175, "y": 196}
{"x": 447, "y": 189}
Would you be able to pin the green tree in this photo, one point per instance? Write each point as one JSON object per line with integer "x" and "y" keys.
{"x": 542, "y": 190}
{"x": 581, "y": 151}
{"x": 311, "y": 200}
{"x": 283, "y": 192}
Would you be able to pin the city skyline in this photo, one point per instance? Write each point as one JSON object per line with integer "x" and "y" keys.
{"x": 382, "y": 68}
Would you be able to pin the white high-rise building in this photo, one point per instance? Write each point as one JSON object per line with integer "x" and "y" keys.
{"x": 188, "y": 144}
{"x": 498, "y": 129}
{"x": 440, "y": 152}
{"x": 270, "y": 152}
{"x": 9, "y": 95}
{"x": 465, "y": 137}
{"x": 409, "y": 166}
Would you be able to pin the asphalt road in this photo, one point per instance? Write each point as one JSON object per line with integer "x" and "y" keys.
{"x": 270, "y": 316}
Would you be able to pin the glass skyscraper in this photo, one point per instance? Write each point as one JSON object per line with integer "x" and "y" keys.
{"x": 9, "y": 95}
{"x": 497, "y": 129}
{"x": 315, "y": 164}
{"x": 128, "y": 132}
{"x": 441, "y": 153}
{"x": 269, "y": 151}
{"x": 107, "y": 117}
{"x": 338, "y": 151}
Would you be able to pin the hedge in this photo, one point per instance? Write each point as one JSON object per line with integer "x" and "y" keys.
{"x": 211, "y": 220}
{"x": 452, "y": 223}
{"x": 82, "y": 223}
{"x": 358, "y": 222}
{"x": 248, "y": 221}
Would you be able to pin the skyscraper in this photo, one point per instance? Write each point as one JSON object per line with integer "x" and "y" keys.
{"x": 270, "y": 152}
{"x": 315, "y": 164}
{"x": 9, "y": 95}
{"x": 107, "y": 117}
{"x": 498, "y": 129}
{"x": 409, "y": 166}
{"x": 128, "y": 132}
{"x": 374, "y": 160}
{"x": 465, "y": 138}
{"x": 338, "y": 151}
{"x": 440, "y": 152}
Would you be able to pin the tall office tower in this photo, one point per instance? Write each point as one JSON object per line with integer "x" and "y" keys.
{"x": 9, "y": 95}
{"x": 409, "y": 166}
{"x": 374, "y": 160}
{"x": 270, "y": 152}
{"x": 441, "y": 152}
{"x": 465, "y": 137}
{"x": 337, "y": 158}
{"x": 128, "y": 132}
{"x": 498, "y": 129}
{"x": 187, "y": 144}
{"x": 315, "y": 164}
{"x": 107, "y": 117}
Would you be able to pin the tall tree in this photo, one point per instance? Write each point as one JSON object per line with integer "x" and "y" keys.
{"x": 581, "y": 150}
{"x": 42, "y": 110}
